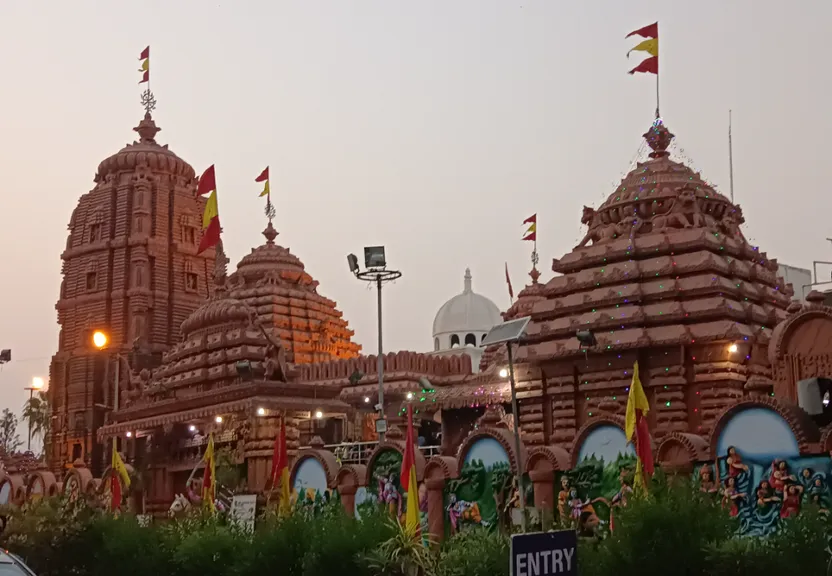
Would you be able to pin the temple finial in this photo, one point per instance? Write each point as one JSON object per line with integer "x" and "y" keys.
{"x": 270, "y": 233}
{"x": 467, "y": 280}
{"x": 658, "y": 138}
{"x": 147, "y": 129}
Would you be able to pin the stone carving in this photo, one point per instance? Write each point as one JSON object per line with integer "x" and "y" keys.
{"x": 599, "y": 227}
{"x": 674, "y": 216}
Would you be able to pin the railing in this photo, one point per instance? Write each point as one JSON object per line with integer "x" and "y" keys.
{"x": 360, "y": 452}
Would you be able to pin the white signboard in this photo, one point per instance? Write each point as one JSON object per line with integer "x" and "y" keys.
{"x": 243, "y": 510}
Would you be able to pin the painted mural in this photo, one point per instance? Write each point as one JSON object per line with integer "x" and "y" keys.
{"x": 588, "y": 495}
{"x": 384, "y": 490}
{"x": 309, "y": 491}
{"x": 763, "y": 480}
{"x": 485, "y": 492}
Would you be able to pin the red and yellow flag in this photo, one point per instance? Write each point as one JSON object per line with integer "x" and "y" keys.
{"x": 118, "y": 476}
{"x": 209, "y": 484}
{"x": 211, "y": 216}
{"x": 637, "y": 432}
{"x": 408, "y": 478}
{"x": 145, "y": 69}
{"x": 280, "y": 471}
{"x": 650, "y": 45}
{"x": 531, "y": 233}
{"x": 264, "y": 177}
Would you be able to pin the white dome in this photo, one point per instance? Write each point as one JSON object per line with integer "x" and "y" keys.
{"x": 464, "y": 314}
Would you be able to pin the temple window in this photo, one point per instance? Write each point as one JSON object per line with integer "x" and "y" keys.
{"x": 138, "y": 225}
{"x": 454, "y": 340}
{"x": 95, "y": 232}
{"x": 470, "y": 340}
{"x": 436, "y": 343}
{"x": 138, "y": 276}
{"x": 76, "y": 452}
{"x": 92, "y": 281}
{"x": 189, "y": 224}
{"x": 191, "y": 277}
{"x": 189, "y": 234}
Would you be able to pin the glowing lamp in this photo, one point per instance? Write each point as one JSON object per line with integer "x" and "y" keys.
{"x": 99, "y": 339}
{"x": 503, "y": 373}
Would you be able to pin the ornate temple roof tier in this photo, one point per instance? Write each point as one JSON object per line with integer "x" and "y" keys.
{"x": 272, "y": 281}
{"x": 145, "y": 152}
{"x": 249, "y": 405}
{"x": 441, "y": 370}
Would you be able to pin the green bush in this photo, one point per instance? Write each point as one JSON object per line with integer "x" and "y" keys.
{"x": 475, "y": 552}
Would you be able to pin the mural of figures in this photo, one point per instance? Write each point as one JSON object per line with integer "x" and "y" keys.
{"x": 310, "y": 479}
{"x": 763, "y": 478}
{"x": 485, "y": 492}
{"x": 600, "y": 483}
{"x": 384, "y": 486}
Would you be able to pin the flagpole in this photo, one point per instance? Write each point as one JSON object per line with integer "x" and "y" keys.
{"x": 730, "y": 158}
{"x": 658, "y": 67}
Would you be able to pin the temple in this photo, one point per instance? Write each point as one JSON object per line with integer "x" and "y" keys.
{"x": 664, "y": 277}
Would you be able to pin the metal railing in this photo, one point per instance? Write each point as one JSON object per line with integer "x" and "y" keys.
{"x": 360, "y": 452}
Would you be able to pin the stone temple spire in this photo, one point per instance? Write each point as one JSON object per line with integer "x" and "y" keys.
{"x": 658, "y": 138}
{"x": 220, "y": 270}
{"x": 147, "y": 129}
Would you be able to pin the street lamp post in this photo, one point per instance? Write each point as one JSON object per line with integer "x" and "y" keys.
{"x": 376, "y": 271}
{"x": 509, "y": 332}
{"x": 100, "y": 340}
{"x": 37, "y": 384}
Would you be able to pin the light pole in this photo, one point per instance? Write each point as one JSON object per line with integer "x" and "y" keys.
{"x": 509, "y": 332}
{"x": 377, "y": 272}
{"x": 100, "y": 340}
{"x": 37, "y": 384}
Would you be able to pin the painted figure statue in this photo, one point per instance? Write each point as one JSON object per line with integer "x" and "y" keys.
{"x": 389, "y": 495}
{"x": 731, "y": 496}
{"x": 460, "y": 511}
{"x": 707, "y": 484}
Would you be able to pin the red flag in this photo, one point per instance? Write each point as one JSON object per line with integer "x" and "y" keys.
{"x": 263, "y": 175}
{"x": 210, "y": 236}
{"x": 115, "y": 491}
{"x": 648, "y": 66}
{"x": 531, "y": 219}
{"x": 145, "y": 69}
{"x": 145, "y": 54}
{"x": 649, "y": 31}
{"x": 531, "y": 232}
{"x": 508, "y": 281}
{"x": 207, "y": 182}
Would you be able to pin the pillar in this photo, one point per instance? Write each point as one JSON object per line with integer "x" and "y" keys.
{"x": 436, "y": 509}
{"x": 347, "y": 494}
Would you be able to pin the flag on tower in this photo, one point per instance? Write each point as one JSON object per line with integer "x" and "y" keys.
{"x": 209, "y": 485}
{"x": 650, "y": 45}
{"x": 636, "y": 431}
{"x": 145, "y": 69}
{"x": 408, "y": 479}
{"x": 210, "y": 217}
{"x": 118, "y": 476}
{"x": 280, "y": 469}
{"x": 508, "y": 281}
{"x": 531, "y": 232}
{"x": 264, "y": 177}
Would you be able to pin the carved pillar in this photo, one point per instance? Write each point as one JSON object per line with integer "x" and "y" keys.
{"x": 436, "y": 509}
{"x": 347, "y": 494}
{"x": 348, "y": 480}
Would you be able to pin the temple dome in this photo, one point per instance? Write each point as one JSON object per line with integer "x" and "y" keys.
{"x": 146, "y": 151}
{"x": 273, "y": 283}
{"x": 464, "y": 319}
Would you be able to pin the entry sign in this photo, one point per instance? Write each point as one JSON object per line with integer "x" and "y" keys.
{"x": 545, "y": 554}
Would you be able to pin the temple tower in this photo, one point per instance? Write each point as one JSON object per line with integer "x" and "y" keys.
{"x": 129, "y": 269}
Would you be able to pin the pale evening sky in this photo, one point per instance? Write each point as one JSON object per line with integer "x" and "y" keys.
{"x": 433, "y": 127}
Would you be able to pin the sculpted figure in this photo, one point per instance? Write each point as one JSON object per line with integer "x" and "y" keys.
{"x": 687, "y": 197}
{"x": 731, "y": 223}
{"x": 673, "y": 217}
{"x": 599, "y": 229}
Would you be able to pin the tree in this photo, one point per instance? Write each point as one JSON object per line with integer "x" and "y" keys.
{"x": 9, "y": 440}
{"x": 37, "y": 414}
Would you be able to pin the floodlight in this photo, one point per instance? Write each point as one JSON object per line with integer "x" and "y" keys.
{"x": 374, "y": 257}
{"x": 352, "y": 260}
{"x": 503, "y": 373}
{"x": 586, "y": 338}
{"x": 99, "y": 339}
{"x": 732, "y": 348}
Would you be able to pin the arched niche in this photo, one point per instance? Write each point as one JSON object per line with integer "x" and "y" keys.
{"x": 547, "y": 460}
{"x": 312, "y": 470}
{"x": 763, "y": 430}
{"x": 680, "y": 451}
{"x": 41, "y": 484}
{"x": 490, "y": 446}
{"x": 351, "y": 480}
{"x": 602, "y": 437}
{"x": 75, "y": 482}
{"x": 801, "y": 346}
{"x": 12, "y": 490}
{"x": 396, "y": 446}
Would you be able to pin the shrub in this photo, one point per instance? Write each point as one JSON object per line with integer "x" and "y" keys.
{"x": 475, "y": 552}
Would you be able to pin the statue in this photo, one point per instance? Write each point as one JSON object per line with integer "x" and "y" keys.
{"x": 274, "y": 357}
{"x": 598, "y": 231}
{"x": 731, "y": 222}
{"x": 674, "y": 216}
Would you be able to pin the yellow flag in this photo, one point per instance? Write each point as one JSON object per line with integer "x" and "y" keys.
{"x": 651, "y": 46}
{"x": 211, "y": 210}
{"x": 119, "y": 467}
{"x": 636, "y": 400}
{"x": 532, "y": 228}
{"x": 411, "y": 519}
{"x": 265, "y": 191}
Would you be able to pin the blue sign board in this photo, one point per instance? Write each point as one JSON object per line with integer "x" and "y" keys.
{"x": 545, "y": 554}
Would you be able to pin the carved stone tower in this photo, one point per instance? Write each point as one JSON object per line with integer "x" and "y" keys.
{"x": 129, "y": 269}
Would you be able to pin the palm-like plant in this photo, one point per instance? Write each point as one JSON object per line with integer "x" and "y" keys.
{"x": 405, "y": 554}
{"x": 37, "y": 414}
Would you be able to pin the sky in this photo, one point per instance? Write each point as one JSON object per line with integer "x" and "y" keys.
{"x": 433, "y": 127}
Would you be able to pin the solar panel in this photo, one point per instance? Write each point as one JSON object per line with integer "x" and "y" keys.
{"x": 506, "y": 332}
